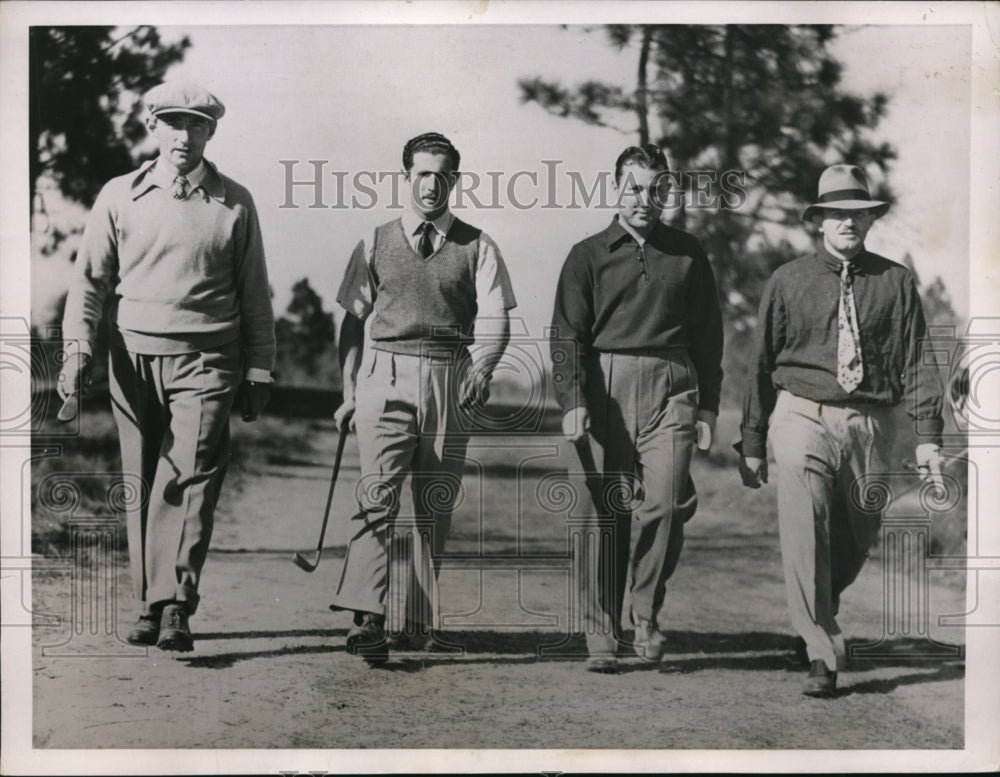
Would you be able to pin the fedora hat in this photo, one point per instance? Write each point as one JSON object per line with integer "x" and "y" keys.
{"x": 844, "y": 187}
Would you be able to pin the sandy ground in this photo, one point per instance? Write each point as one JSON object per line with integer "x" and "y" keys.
{"x": 269, "y": 668}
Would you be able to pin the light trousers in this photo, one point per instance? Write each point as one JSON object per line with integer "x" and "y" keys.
{"x": 636, "y": 463}
{"x": 172, "y": 414}
{"x": 827, "y": 524}
{"x": 408, "y": 424}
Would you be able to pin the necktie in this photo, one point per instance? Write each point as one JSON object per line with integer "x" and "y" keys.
{"x": 180, "y": 188}
{"x": 426, "y": 244}
{"x": 850, "y": 369}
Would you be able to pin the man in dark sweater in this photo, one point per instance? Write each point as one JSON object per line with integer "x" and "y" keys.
{"x": 838, "y": 345}
{"x": 175, "y": 248}
{"x": 438, "y": 293}
{"x": 636, "y": 350}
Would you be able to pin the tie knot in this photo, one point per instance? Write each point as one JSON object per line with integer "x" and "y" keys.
{"x": 180, "y": 187}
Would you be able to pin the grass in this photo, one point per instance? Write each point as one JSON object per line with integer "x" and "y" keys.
{"x": 77, "y": 481}
{"x": 91, "y": 463}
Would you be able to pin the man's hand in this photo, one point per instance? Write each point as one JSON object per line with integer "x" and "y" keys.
{"x": 576, "y": 424}
{"x": 475, "y": 389}
{"x": 706, "y": 428}
{"x": 255, "y": 397}
{"x": 343, "y": 418}
{"x": 74, "y": 375}
{"x": 753, "y": 471}
{"x": 929, "y": 462}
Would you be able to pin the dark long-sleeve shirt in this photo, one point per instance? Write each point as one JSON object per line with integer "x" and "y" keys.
{"x": 613, "y": 297}
{"x": 796, "y": 343}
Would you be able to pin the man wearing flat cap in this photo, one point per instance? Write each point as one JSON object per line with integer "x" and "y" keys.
{"x": 173, "y": 253}
{"x": 837, "y": 347}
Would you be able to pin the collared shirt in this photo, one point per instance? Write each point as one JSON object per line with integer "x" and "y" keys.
{"x": 413, "y": 226}
{"x": 494, "y": 292}
{"x": 182, "y": 275}
{"x": 616, "y": 294}
{"x": 795, "y": 347}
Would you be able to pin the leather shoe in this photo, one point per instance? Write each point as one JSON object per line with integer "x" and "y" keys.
{"x": 413, "y": 638}
{"x": 801, "y": 654}
{"x": 602, "y": 664}
{"x": 175, "y": 634}
{"x": 145, "y": 631}
{"x": 367, "y": 638}
{"x": 821, "y": 683}
{"x": 650, "y": 644}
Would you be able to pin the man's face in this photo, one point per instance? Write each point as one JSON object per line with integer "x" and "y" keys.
{"x": 182, "y": 138}
{"x": 844, "y": 231}
{"x": 431, "y": 181}
{"x": 641, "y": 195}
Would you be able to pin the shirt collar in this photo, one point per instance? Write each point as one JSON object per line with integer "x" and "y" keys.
{"x": 835, "y": 263}
{"x": 618, "y": 231}
{"x": 412, "y": 222}
{"x": 205, "y": 177}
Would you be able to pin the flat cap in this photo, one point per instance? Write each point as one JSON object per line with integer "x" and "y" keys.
{"x": 184, "y": 97}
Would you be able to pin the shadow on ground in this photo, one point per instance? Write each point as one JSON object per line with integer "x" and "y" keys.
{"x": 689, "y": 652}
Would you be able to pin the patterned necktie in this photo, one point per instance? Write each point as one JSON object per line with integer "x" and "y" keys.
{"x": 180, "y": 188}
{"x": 850, "y": 369}
{"x": 426, "y": 244}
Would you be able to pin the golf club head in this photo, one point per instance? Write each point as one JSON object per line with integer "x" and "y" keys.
{"x": 303, "y": 563}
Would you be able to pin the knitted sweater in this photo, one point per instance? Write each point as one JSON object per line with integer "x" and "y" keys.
{"x": 181, "y": 275}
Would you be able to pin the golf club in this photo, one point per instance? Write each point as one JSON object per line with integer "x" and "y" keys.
{"x": 301, "y": 561}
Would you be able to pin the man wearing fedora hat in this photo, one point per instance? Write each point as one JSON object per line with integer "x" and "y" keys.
{"x": 837, "y": 347}
{"x": 174, "y": 251}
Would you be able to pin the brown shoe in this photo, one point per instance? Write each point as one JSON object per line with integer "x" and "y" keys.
{"x": 602, "y": 663}
{"x": 367, "y": 638}
{"x": 414, "y": 638}
{"x": 175, "y": 634}
{"x": 801, "y": 654}
{"x": 821, "y": 683}
{"x": 650, "y": 644}
{"x": 146, "y": 630}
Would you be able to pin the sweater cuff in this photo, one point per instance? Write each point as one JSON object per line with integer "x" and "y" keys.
{"x": 930, "y": 430}
{"x": 258, "y": 375}
{"x": 753, "y": 445}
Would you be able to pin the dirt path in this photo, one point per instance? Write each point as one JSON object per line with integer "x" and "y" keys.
{"x": 269, "y": 669}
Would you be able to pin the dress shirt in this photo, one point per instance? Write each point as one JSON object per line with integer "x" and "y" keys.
{"x": 795, "y": 346}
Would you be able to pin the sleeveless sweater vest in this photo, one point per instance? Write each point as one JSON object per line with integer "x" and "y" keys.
{"x": 420, "y": 302}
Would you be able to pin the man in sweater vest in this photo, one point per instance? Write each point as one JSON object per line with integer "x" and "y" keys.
{"x": 174, "y": 251}
{"x": 437, "y": 292}
{"x": 636, "y": 353}
{"x": 838, "y": 345}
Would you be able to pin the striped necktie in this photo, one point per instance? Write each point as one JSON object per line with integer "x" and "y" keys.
{"x": 850, "y": 369}
{"x": 180, "y": 187}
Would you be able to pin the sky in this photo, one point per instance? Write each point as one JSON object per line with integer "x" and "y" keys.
{"x": 349, "y": 97}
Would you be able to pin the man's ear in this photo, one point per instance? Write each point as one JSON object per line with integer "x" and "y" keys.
{"x": 150, "y": 122}
{"x": 211, "y": 129}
